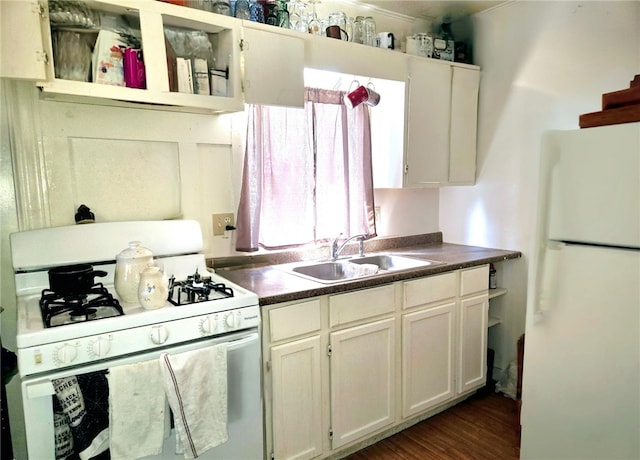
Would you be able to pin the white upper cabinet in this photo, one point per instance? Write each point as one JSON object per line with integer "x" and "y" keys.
{"x": 22, "y": 54}
{"x": 273, "y": 62}
{"x": 353, "y": 58}
{"x": 427, "y": 123}
{"x": 148, "y": 21}
{"x": 441, "y": 123}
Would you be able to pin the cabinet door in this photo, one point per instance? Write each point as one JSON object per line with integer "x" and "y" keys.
{"x": 472, "y": 347}
{"x": 362, "y": 380}
{"x": 464, "y": 125}
{"x": 428, "y": 120}
{"x": 273, "y": 68}
{"x": 427, "y": 358}
{"x": 21, "y": 51}
{"x": 297, "y": 399}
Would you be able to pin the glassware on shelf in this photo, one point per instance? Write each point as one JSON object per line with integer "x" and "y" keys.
{"x": 338, "y": 18}
{"x": 272, "y": 13}
{"x": 256, "y": 12}
{"x": 242, "y": 9}
{"x": 357, "y": 31}
{"x": 294, "y": 14}
{"x": 313, "y": 24}
{"x": 301, "y": 22}
{"x": 72, "y": 54}
{"x": 221, "y": 7}
{"x": 369, "y": 31}
{"x": 283, "y": 14}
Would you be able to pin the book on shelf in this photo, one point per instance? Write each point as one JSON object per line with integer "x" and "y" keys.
{"x": 185, "y": 75}
{"x": 201, "y": 76}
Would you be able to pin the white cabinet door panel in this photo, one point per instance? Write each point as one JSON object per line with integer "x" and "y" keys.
{"x": 273, "y": 68}
{"x": 464, "y": 125}
{"x": 21, "y": 51}
{"x": 472, "y": 359}
{"x": 428, "y": 353}
{"x": 428, "y": 118}
{"x": 362, "y": 380}
{"x": 297, "y": 399}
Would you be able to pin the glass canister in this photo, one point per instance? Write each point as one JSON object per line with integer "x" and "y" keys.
{"x": 130, "y": 262}
{"x": 153, "y": 289}
{"x": 357, "y": 30}
{"x": 242, "y": 10}
{"x": 369, "y": 36}
{"x": 338, "y": 18}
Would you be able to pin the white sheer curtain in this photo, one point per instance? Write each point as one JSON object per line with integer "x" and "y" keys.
{"x": 307, "y": 173}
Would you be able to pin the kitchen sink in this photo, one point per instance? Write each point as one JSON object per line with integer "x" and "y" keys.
{"x": 390, "y": 262}
{"x": 354, "y": 268}
{"x": 326, "y": 271}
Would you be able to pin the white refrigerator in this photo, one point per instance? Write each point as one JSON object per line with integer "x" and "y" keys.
{"x": 581, "y": 373}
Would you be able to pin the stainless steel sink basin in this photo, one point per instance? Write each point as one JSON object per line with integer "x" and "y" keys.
{"x": 354, "y": 268}
{"x": 391, "y": 262}
{"x": 325, "y": 271}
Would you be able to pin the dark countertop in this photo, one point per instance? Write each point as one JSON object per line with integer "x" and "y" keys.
{"x": 273, "y": 285}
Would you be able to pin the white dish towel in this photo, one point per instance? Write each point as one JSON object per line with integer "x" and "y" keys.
{"x": 195, "y": 383}
{"x": 138, "y": 410}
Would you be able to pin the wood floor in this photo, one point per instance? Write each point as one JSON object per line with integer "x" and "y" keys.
{"x": 480, "y": 428}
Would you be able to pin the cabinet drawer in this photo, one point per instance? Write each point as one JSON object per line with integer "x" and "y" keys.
{"x": 428, "y": 290}
{"x": 353, "y": 306}
{"x": 294, "y": 320}
{"x": 474, "y": 280}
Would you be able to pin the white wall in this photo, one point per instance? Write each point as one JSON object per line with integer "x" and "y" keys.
{"x": 543, "y": 64}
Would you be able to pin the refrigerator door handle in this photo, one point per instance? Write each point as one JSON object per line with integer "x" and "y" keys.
{"x": 549, "y": 273}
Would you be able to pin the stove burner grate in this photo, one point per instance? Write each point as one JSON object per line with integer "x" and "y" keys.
{"x": 196, "y": 288}
{"x": 78, "y": 307}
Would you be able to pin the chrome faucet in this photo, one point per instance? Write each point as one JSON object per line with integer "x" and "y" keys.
{"x": 335, "y": 249}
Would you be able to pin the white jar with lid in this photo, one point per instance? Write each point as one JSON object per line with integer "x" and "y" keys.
{"x": 129, "y": 264}
{"x": 153, "y": 290}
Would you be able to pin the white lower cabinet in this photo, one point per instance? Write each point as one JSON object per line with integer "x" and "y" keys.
{"x": 428, "y": 354}
{"x": 473, "y": 321}
{"x": 362, "y": 380}
{"x": 337, "y": 366}
{"x": 297, "y": 399}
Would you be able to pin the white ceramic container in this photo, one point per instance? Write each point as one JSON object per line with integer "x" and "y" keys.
{"x": 129, "y": 264}
{"x": 153, "y": 289}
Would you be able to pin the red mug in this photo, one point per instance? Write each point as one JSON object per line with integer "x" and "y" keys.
{"x": 362, "y": 94}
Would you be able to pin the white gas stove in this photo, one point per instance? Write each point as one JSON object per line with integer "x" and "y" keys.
{"x": 98, "y": 334}
{"x": 105, "y": 333}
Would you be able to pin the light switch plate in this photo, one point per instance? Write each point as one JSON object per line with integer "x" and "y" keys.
{"x": 220, "y": 222}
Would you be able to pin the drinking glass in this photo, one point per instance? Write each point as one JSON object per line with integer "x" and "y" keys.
{"x": 283, "y": 14}
{"x": 272, "y": 13}
{"x": 357, "y": 32}
{"x": 369, "y": 31}
{"x": 313, "y": 24}
{"x": 303, "y": 18}
{"x": 242, "y": 9}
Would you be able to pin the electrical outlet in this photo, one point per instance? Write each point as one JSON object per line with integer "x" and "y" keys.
{"x": 220, "y": 222}
{"x": 377, "y": 214}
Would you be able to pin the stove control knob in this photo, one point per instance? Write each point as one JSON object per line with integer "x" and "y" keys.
{"x": 159, "y": 334}
{"x": 66, "y": 353}
{"x": 230, "y": 321}
{"x": 209, "y": 324}
{"x": 100, "y": 347}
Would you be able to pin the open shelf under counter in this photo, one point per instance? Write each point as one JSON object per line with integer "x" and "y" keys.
{"x": 497, "y": 292}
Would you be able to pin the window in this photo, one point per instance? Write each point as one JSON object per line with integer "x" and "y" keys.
{"x": 307, "y": 173}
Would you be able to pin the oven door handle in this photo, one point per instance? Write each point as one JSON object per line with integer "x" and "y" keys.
{"x": 235, "y": 344}
{"x": 39, "y": 388}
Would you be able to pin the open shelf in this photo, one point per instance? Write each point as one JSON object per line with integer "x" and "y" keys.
{"x": 493, "y": 321}
{"x": 496, "y": 292}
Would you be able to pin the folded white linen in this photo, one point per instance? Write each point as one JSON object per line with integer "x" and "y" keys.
{"x": 361, "y": 269}
{"x": 138, "y": 410}
{"x": 195, "y": 383}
